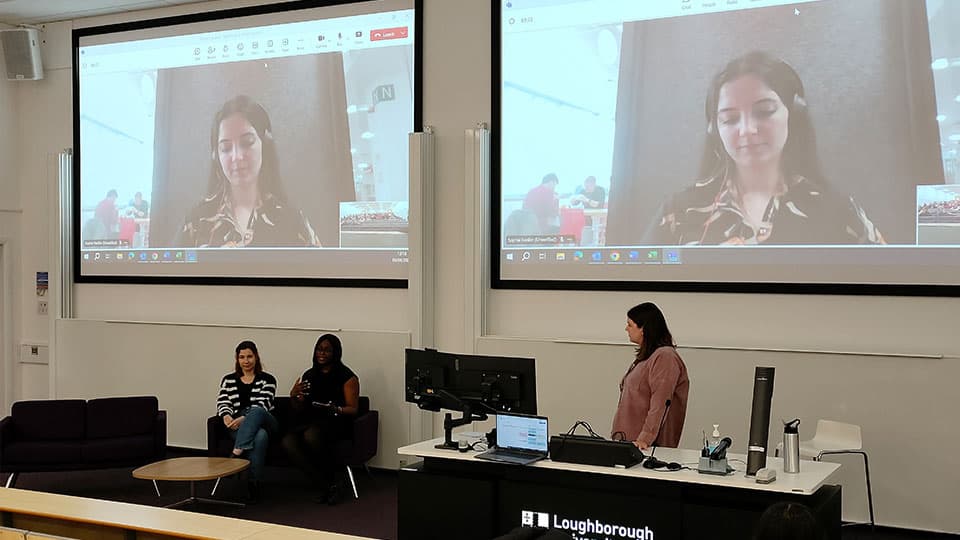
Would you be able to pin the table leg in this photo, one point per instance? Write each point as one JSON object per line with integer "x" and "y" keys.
{"x": 193, "y": 499}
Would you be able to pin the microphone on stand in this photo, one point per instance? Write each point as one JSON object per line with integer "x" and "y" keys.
{"x": 720, "y": 452}
{"x": 652, "y": 462}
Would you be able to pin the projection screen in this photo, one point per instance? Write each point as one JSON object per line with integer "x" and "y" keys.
{"x": 264, "y": 144}
{"x": 762, "y": 145}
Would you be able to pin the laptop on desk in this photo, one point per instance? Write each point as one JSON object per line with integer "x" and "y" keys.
{"x": 521, "y": 439}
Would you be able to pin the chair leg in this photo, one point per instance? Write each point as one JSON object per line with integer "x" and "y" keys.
{"x": 155, "y": 487}
{"x": 353, "y": 483}
{"x": 215, "y": 486}
{"x": 866, "y": 472}
{"x": 367, "y": 468}
{"x": 12, "y": 479}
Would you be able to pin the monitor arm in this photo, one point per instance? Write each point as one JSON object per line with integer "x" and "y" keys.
{"x": 449, "y": 422}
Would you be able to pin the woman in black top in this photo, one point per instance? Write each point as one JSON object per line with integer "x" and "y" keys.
{"x": 244, "y": 403}
{"x": 326, "y": 398}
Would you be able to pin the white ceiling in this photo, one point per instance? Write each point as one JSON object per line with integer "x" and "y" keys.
{"x": 15, "y": 12}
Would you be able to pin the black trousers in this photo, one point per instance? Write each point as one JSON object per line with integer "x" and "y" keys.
{"x": 313, "y": 447}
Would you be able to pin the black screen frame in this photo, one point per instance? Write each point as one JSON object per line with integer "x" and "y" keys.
{"x": 454, "y": 366}
{"x": 496, "y": 245}
{"x": 75, "y": 242}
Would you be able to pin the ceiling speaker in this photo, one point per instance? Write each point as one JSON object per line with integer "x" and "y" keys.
{"x": 21, "y": 54}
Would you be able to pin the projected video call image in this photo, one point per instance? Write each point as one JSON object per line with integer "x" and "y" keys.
{"x": 796, "y": 124}
{"x": 289, "y": 146}
{"x": 255, "y": 151}
{"x": 269, "y": 138}
{"x": 777, "y": 142}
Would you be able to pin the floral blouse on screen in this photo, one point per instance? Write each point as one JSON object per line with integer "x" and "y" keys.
{"x": 272, "y": 224}
{"x": 802, "y": 213}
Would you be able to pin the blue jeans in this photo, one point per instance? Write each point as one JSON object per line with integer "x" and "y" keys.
{"x": 254, "y": 435}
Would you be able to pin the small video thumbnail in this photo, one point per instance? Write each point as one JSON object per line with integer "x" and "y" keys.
{"x": 374, "y": 224}
{"x": 938, "y": 214}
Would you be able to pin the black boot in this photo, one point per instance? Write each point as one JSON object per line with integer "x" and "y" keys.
{"x": 333, "y": 494}
{"x": 253, "y": 492}
{"x": 321, "y": 495}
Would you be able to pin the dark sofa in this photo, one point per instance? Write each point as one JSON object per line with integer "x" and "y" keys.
{"x": 73, "y": 434}
{"x": 355, "y": 452}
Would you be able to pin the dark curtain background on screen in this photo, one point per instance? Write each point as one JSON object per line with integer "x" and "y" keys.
{"x": 865, "y": 66}
{"x": 306, "y": 99}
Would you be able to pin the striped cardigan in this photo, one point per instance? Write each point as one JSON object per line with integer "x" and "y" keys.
{"x": 261, "y": 395}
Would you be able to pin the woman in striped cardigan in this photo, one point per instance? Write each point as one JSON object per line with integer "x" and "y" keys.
{"x": 244, "y": 403}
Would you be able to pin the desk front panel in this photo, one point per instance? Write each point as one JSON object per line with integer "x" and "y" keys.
{"x": 494, "y": 499}
{"x": 600, "y": 514}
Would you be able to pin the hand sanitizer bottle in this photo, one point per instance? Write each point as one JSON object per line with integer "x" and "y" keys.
{"x": 715, "y": 437}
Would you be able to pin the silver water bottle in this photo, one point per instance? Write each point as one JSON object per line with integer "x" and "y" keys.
{"x": 791, "y": 446}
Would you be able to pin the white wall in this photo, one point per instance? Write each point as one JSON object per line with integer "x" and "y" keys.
{"x": 904, "y": 404}
{"x": 177, "y": 363}
{"x": 10, "y": 217}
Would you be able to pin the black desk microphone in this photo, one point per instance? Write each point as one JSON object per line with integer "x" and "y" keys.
{"x": 720, "y": 452}
{"x": 652, "y": 462}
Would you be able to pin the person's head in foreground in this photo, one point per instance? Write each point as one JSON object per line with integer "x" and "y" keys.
{"x": 787, "y": 521}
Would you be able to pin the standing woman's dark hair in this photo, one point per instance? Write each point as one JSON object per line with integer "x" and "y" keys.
{"x": 787, "y": 521}
{"x": 257, "y": 367}
{"x": 655, "y": 332}
{"x": 800, "y": 151}
{"x": 336, "y": 357}
{"x": 269, "y": 181}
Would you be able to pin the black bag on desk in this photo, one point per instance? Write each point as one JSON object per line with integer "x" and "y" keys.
{"x": 588, "y": 450}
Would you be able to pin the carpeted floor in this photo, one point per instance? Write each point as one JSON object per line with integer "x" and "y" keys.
{"x": 286, "y": 497}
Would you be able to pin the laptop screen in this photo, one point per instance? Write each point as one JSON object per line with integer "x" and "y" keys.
{"x": 522, "y": 432}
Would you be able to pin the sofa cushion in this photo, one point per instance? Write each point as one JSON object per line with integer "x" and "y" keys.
{"x": 41, "y": 452}
{"x": 118, "y": 449}
{"x": 49, "y": 420}
{"x": 121, "y": 416}
{"x": 283, "y": 412}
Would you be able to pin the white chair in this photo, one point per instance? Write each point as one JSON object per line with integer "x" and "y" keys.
{"x": 836, "y": 438}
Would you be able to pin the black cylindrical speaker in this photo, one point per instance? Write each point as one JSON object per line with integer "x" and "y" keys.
{"x": 760, "y": 420}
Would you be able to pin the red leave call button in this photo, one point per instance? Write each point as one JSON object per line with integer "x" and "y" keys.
{"x": 381, "y": 34}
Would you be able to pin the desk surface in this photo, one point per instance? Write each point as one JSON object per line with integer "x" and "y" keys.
{"x": 148, "y": 518}
{"x": 812, "y": 475}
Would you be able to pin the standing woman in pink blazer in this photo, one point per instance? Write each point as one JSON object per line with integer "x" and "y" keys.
{"x": 656, "y": 376}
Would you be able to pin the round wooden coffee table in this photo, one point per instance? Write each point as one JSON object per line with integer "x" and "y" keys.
{"x": 192, "y": 469}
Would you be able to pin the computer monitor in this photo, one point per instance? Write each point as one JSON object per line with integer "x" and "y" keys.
{"x": 473, "y": 384}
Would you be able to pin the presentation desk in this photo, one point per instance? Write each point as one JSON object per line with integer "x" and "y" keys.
{"x": 450, "y": 494}
{"x": 79, "y": 517}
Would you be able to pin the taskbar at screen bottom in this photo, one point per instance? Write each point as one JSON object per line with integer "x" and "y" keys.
{"x": 266, "y": 263}
{"x": 882, "y": 265}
